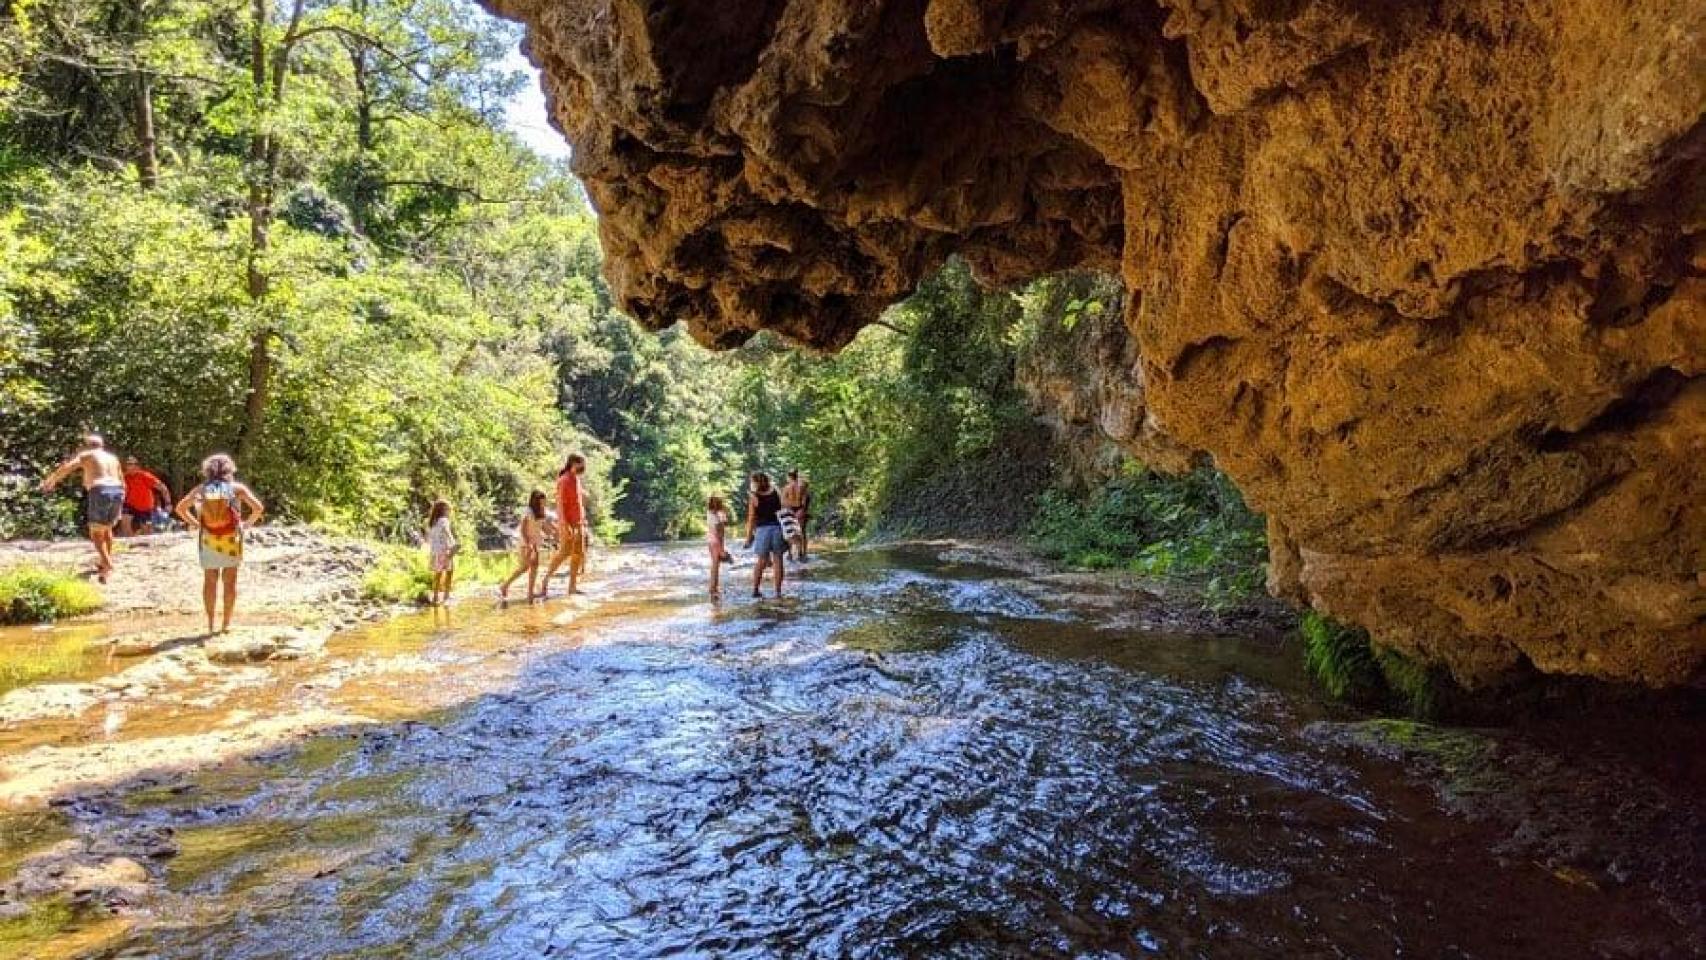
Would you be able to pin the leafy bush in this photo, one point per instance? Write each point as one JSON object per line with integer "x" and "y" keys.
{"x": 402, "y": 576}
{"x": 35, "y": 595}
{"x": 1195, "y": 527}
{"x": 1340, "y": 658}
{"x": 1349, "y": 667}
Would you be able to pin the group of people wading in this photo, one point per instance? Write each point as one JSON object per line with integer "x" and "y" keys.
{"x": 775, "y": 528}
{"x": 126, "y": 497}
{"x": 122, "y": 495}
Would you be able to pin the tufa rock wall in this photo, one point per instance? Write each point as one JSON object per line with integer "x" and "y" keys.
{"x": 1428, "y": 280}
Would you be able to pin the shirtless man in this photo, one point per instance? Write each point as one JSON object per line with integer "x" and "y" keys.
{"x": 103, "y": 488}
{"x": 797, "y": 496}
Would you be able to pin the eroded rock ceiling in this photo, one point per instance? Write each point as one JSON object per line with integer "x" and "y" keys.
{"x": 1428, "y": 280}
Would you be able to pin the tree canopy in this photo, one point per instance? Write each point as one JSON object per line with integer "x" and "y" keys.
{"x": 299, "y": 231}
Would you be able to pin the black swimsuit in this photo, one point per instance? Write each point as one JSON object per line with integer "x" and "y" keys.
{"x": 768, "y": 505}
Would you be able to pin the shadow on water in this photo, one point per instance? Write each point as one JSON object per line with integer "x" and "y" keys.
{"x": 905, "y": 758}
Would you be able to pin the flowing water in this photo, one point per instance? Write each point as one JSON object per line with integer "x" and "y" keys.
{"x": 908, "y": 757}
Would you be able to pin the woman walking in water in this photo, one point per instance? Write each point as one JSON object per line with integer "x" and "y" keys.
{"x": 215, "y": 509}
{"x": 531, "y": 534}
{"x": 764, "y": 527}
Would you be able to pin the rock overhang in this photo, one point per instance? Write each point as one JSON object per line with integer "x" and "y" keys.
{"x": 1427, "y": 280}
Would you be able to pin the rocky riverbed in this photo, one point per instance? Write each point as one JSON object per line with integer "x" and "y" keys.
{"x": 290, "y": 574}
{"x": 929, "y": 750}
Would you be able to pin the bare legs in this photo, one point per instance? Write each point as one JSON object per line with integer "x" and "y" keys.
{"x": 571, "y": 547}
{"x": 717, "y": 571}
{"x": 102, "y": 538}
{"x": 229, "y": 575}
{"x": 766, "y": 560}
{"x": 210, "y": 582}
{"x": 442, "y": 580}
{"x": 209, "y": 594}
{"x": 529, "y": 565}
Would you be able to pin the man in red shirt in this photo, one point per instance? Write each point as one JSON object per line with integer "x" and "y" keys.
{"x": 571, "y": 524}
{"x": 145, "y": 500}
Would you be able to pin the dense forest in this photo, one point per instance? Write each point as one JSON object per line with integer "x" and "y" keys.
{"x": 300, "y": 231}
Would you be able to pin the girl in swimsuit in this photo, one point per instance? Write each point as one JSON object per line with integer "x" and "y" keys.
{"x": 716, "y": 531}
{"x": 531, "y": 535}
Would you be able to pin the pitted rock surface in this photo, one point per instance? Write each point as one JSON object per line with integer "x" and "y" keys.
{"x": 1427, "y": 280}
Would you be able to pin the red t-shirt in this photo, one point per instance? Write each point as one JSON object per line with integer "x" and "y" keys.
{"x": 569, "y": 508}
{"x": 139, "y": 489}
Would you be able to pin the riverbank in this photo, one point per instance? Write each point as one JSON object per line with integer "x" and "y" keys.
{"x": 291, "y": 574}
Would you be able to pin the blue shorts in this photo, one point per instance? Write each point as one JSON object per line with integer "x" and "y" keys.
{"x": 104, "y": 505}
{"x": 152, "y": 515}
{"x": 768, "y": 539}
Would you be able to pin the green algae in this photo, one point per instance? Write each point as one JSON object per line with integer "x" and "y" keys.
{"x": 41, "y": 920}
{"x": 1464, "y": 762}
{"x": 23, "y": 834}
{"x": 206, "y": 851}
{"x": 376, "y": 787}
{"x": 319, "y": 753}
{"x": 30, "y": 657}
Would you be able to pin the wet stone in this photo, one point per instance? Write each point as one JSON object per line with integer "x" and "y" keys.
{"x": 256, "y": 644}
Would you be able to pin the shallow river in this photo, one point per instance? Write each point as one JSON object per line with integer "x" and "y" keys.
{"x": 908, "y": 757}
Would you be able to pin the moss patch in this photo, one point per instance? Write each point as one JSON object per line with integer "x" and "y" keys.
{"x": 204, "y": 851}
{"x": 363, "y": 788}
{"x": 23, "y": 834}
{"x": 1349, "y": 667}
{"x": 42, "y": 920}
{"x": 39, "y": 595}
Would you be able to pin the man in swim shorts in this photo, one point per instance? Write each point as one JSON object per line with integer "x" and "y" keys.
{"x": 103, "y": 491}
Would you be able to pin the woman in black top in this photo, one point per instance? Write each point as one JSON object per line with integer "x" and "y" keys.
{"x": 762, "y": 525}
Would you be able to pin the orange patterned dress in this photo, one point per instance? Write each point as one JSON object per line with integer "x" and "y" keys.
{"x": 221, "y": 539}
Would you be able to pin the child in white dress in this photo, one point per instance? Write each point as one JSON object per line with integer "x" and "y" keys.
{"x": 441, "y": 551}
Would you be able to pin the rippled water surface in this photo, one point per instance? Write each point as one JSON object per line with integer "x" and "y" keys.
{"x": 909, "y": 757}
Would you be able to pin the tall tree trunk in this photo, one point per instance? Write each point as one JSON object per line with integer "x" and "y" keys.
{"x": 259, "y": 210}
{"x": 147, "y": 155}
{"x": 147, "y": 150}
{"x": 363, "y": 191}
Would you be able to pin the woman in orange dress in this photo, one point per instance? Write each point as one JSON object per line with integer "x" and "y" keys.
{"x": 215, "y": 509}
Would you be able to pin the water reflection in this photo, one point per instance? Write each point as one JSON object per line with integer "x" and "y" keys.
{"x": 904, "y": 759}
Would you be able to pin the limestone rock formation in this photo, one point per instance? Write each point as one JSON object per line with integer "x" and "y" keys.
{"x": 1428, "y": 280}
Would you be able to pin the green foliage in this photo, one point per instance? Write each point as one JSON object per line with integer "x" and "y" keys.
{"x": 402, "y": 575}
{"x": 36, "y": 595}
{"x": 917, "y": 427}
{"x": 1349, "y": 667}
{"x": 417, "y": 326}
{"x": 1194, "y": 526}
{"x": 1340, "y": 658}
